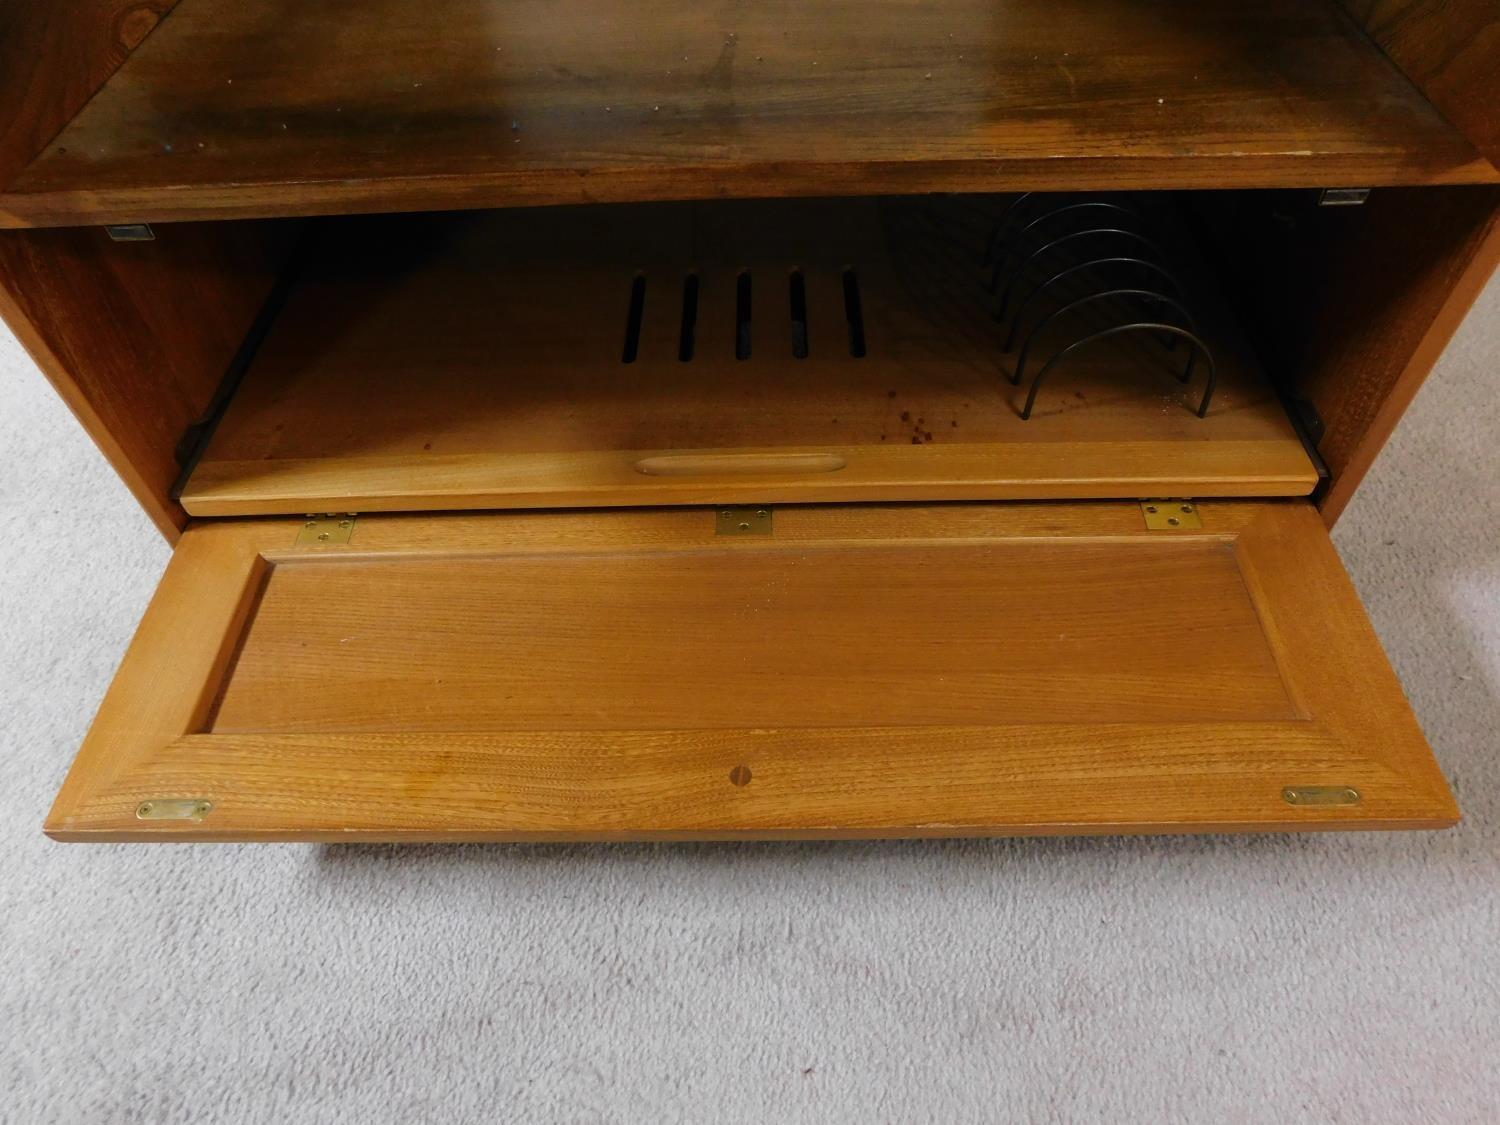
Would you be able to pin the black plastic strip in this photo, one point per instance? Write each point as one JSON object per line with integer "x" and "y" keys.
{"x": 688, "y": 341}
{"x": 798, "y": 287}
{"x": 633, "y": 319}
{"x": 854, "y": 312}
{"x": 742, "y": 316}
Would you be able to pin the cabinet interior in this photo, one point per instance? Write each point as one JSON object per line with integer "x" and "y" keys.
{"x": 785, "y": 351}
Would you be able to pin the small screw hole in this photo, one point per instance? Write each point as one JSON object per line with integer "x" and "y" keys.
{"x": 740, "y": 776}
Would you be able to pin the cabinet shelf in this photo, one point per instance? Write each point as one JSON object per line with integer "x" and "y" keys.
{"x": 704, "y": 353}
{"x": 261, "y": 108}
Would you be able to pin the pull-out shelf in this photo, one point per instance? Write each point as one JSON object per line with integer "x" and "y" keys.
{"x": 764, "y": 351}
{"x": 853, "y": 671}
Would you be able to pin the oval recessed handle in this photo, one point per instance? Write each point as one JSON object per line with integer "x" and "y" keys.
{"x": 710, "y": 464}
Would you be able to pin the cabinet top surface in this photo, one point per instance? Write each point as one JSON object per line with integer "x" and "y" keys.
{"x": 262, "y": 107}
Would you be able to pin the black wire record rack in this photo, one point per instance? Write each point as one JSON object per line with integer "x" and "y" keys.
{"x": 1066, "y": 272}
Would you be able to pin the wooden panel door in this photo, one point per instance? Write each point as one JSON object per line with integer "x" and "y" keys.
{"x": 933, "y": 670}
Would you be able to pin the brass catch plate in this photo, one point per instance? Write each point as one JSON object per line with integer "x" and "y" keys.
{"x": 326, "y": 531}
{"x": 174, "y": 808}
{"x": 1320, "y": 795}
{"x": 1171, "y": 515}
{"x": 131, "y": 232}
{"x": 742, "y": 521}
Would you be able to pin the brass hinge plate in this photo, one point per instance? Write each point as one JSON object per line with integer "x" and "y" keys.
{"x": 1320, "y": 795}
{"x": 326, "y": 531}
{"x": 1171, "y": 515}
{"x": 174, "y": 808}
{"x": 743, "y": 521}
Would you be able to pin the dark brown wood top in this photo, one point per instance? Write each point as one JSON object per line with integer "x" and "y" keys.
{"x": 1450, "y": 50}
{"x": 53, "y": 56}
{"x": 271, "y": 107}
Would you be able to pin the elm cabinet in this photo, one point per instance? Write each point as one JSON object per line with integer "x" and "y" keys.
{"x": 874, "y": 419}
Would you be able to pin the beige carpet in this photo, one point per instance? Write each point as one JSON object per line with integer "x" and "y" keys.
{"x": 1326, "y": 978}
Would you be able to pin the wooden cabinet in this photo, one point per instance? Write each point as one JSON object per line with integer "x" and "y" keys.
{"x": 892, "y": 419}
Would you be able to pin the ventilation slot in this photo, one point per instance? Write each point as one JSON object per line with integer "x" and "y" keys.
{"x": 742, "y": 316}
{"x": 688, "y": 340}
{"x": 799, "y": 315}
{"x": 633, "y": 319}
{"x": 855, "y": 314}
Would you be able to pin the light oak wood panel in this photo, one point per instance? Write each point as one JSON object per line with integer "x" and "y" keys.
{"x": 136, "y": 337}
{"x": 469, "y": 361}
{"x": 399, "y": 686}
{"x": 263, "y": 107}
{"x": 901, "y": 635}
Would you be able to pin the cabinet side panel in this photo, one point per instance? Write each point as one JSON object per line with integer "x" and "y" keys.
{"x": 1351, "y": 307}
{"x": 1451, "y": 50}
{"x": 53, "y": 56}
{"x": 136, "y": 336}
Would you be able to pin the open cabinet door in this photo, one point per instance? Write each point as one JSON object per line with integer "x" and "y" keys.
{"x": 940, "y": 670}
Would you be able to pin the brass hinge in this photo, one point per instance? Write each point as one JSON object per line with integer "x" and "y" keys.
{"x": 326, "y": 531}
{"x": 743, "y": 521}
{"x": 1171, "y": 515}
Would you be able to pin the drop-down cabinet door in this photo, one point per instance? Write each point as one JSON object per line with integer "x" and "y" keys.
{"x": 839, "y": 671}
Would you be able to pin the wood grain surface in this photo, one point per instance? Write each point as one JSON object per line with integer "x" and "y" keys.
{"x": 53, "y": 57}
{"x": 1451, "y": 50}
{"x": 865, "y": 671}
{"x": 136, "y": 336}
{"x": 473, "y": 361}
{"x": 1352, "y": 306}
{"x": 264, "y": 107}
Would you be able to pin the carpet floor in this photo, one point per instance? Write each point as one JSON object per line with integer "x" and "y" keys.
{"x": 1279, "y": 979}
